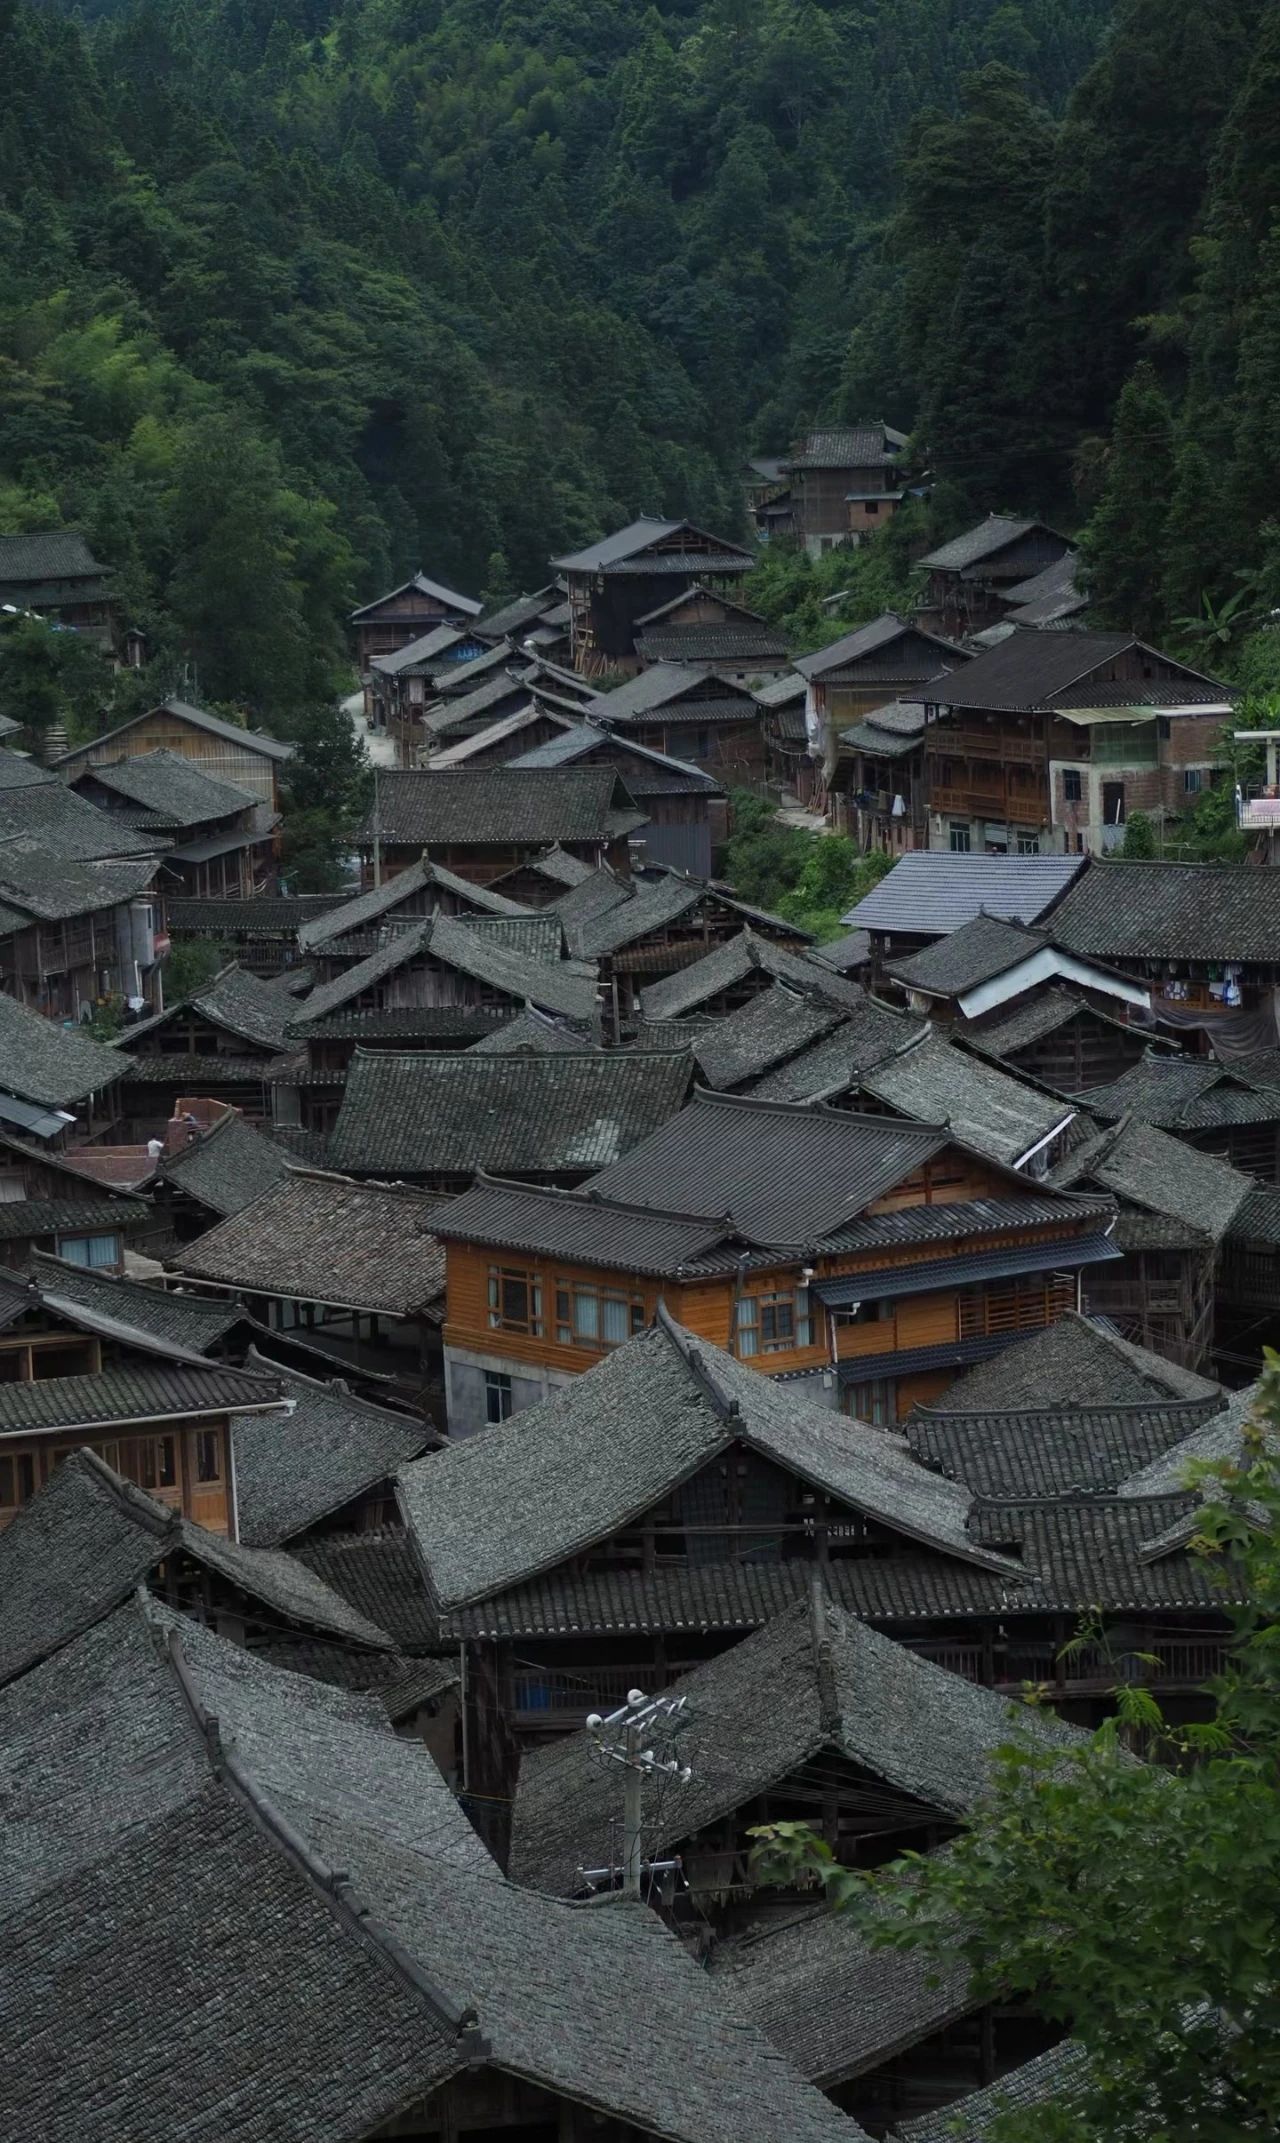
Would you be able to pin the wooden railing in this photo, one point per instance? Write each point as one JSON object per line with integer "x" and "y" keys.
{"x": 986, "y": 744}
{"x": 1024, "y": 807}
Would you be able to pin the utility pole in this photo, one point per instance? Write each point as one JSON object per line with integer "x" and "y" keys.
{"x": 377, "y": 830}
{"x": 627, "y": 1737}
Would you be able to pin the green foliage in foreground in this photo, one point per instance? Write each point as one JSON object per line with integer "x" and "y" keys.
{"x": 1138, "y": 1904}
{"x": 808, "y": 878}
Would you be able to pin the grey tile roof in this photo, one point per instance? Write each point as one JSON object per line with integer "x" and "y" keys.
{"x": 88, "y": 1538}
{"x": 845, "y": 953}
{"x": 422, "y": 584}
{"x": 1057, "y": 2079}
{"x": 315, "y": 1237}
{"x": 267, "y": 916}
{"x": 372, "y": 1996}
{"x": 1107, "y": 1552}
{"x": 537, "y": 935}
{"x": 730, "y": 962}
{"x": 1182, "y": 1094}
{"x": 494, "y": 806}
{"x": 692, "y": 695}
{"x": 831, "y": 2003}
{"x": 51, "y": 821}
{"x": 555, "y": 986}
{"x": 532, "y": 1032}
{"x": 433, "y": 649}
{"x": 293, "y": 1470}
{"x": 126, "y": 1392}
{"x": 1030, "y": 1020}
{"x": 1076, "y": 1362}
{"x": 936, "y": 654}
{"x": 1219, "y": 1436}
{"x": 728, "y": 642}
{"x": 1172, "y": 911}
{"x": 627, "y": 543}
{"x": 557, "y": 866}
{"x": 19, "y": 773}
{"x": 929, "y": 894}
{"x": 49, "y": 885}
{"x": 1258, "y": 1217}
{"x": 47, "y": 554}
{"x": 155, "y": 1316}
{"x": 1144, "y": 1166}
{"x": 361, "y": 2030}
{"x": 1051, "y": 1450}
{"x": 645, "y": 771}
{"x": 783, "y": 690}
{"x": 645, "y": 910}
{"x": 518, "y": 614}
{"x": 174, "y": 791}
{"x": 378, "y": 1574}
{"x": 213, "y": 725}
{"x": 793, "y": 1176}
{"x": 226, "y": 1168}
{"x": 899, "y": 1589}
{"x": 1032, "y": 669}
{"x": 195, "y": 1073}
{"x": 591, "y": 1230}
{"x": 976, "y": 952}
{"x": 344, "y": 918}
{"x": 516, "y": 1500}
{"x": 989, "y": 1111}
{"x": 253, "y": 1008}
{"x": 427, "y": 1113}
{"x": 56, "y": 1066}
{"x": 814, "y": 1683}
{"x": 834, "y": 1066}
{"x": 989, "y": 536}
{"x": 772, "y": 1028}
{"x": 857, "y": 446}
{"x": 34, "y": 1218}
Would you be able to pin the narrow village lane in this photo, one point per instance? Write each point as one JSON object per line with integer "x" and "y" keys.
{"x": 381, "y": 749}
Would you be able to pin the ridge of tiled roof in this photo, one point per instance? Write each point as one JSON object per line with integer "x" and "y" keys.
{"x": 1075, "y": 1362}
{"x": 1053, "y": 1450}
{"x": 517, "y": 1500}
{"x": 170, "y": 787}
{"x": 319, "y": 1237}
{"x": 51, "y": 1065}
{"x": 815, "y": 1683}
{"x": 292, "y": 1470}
{"x": 346, "y": 1996}
{"x": 212, "y": 724}
{"x": 494, "y": 805}
{"x": 429, "y": 1113}
{"x": 559, "y": 986}
{"x": 676, "y": 995}
{"x": 989, "y": 536}
{"x": 226, "y": 1167}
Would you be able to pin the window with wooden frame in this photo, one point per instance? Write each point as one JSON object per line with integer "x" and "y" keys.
{"x": 208, "y": 1455}
{"x": 155, "y": 1462}
{"x": 515, "y": 1301}
{"x": 17, "y": 1481}
{"x": 774, "y": 1323}
{"x": 588, "y": 1315}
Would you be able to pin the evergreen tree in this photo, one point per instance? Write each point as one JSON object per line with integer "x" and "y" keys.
{"x": 1122, "y": 546}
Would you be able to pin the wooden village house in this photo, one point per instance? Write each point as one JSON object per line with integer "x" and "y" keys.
{"x": 834, "y": 1269}
{"x": 406, "y": 613}
{"x": 625, "y": 577}
{"x": 845, "y": 484}
{"x": 1050, "y": 740}
{"x": 244, "y": 758}
{"x": 968, "y": 580}
{"x": 54, "y": 573}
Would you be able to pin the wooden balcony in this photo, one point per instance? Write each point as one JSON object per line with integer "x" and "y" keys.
{"x": 930, "y": 1321}
{"x": 992, "y": 800}
{"x": 948, "y": 741}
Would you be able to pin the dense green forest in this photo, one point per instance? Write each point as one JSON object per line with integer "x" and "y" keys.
{"x": 296, "y": 294}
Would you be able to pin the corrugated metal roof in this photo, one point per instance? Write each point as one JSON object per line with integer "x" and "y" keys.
{"x": 929, "y": 894}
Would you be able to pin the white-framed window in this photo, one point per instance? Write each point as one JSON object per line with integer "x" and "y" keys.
{"x": 774, "y": 1323}
{"x": 92, "y": 1250}
{"x": 497, "y": 1396}
{"x": 593, "y": 1316}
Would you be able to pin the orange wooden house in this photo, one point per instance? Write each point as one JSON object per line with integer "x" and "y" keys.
{"x": 868, "y": 1259}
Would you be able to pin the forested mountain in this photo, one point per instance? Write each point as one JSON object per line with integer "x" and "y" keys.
{"x": 295, "y": 294}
